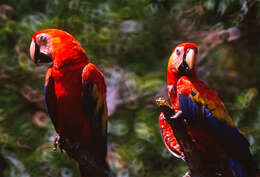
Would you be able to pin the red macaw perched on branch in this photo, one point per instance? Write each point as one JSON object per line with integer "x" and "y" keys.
{"x": 75, "y": 92}
{"x": 208, "y": 123}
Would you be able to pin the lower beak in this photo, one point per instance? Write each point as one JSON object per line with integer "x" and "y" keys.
{"x": 43, "y": 58}
{"x": 187, "y": 64}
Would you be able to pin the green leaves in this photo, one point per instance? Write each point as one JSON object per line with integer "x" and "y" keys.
{"x": 246, "y": 98}
{"x": 132, "y": 41}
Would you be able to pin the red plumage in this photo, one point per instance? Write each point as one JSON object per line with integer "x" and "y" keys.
{"x": 208, "y": 123}
{"x": 75, "y": 93}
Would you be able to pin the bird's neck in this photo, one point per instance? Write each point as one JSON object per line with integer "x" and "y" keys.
{"x": 68, "y": 54}
{"x": 69, "y": 64}
{"x": 172, "y": 78}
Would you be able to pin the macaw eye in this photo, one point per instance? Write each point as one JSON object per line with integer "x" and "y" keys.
{"x": 178, "y": 52}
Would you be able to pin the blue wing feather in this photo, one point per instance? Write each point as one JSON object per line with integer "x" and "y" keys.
{"x": 229, "y": 135}
{"x": 94, "y": 105}
{"x": 94, "y": 101}
{"x": 45, "y": 91}
{"x": 90, "y": 104}
{"x": 190, "y": 109}
{"x": 50, "y": 100}
{"x": 230, "y": 138}
{"x": 236, "y": 168}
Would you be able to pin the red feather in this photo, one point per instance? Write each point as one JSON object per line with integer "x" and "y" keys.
{"x": 65, "y": 95}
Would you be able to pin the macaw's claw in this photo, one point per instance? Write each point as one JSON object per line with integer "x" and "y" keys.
{"x": 65, "y": 143}
{"x": 177, "y": 114}
{"x": 58, "y": 141}
{"x": 187, "y": 174}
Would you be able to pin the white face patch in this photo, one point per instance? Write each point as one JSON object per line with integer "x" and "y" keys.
{"x": 177, "y": 57}
{"x": 44, "y": 42}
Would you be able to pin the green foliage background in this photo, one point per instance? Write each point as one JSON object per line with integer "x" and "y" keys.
{"x": 136, "y": 37}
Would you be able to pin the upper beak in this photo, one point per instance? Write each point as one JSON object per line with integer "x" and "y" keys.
{"x": 190, "y": 57}
{"x": 32, "y": 50}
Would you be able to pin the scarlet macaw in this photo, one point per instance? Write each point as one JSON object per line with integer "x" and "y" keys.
{"x": 75, "y": 92}
{"x": 208, "y": 122}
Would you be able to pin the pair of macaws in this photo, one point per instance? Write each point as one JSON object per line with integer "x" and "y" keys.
{"x": 75, "y": 98}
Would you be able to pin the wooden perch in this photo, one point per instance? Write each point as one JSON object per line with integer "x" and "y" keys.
{"x": 83, "y": 157}
{"x": 199, "y": 164}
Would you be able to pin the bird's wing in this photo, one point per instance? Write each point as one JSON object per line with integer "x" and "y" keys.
{"x": 168, "y": 138}
{"x": 50, "y": 97}
{"x": 95, "y": 108}
{"x": 199, "y": 103}
{"x": 94, "y": 99}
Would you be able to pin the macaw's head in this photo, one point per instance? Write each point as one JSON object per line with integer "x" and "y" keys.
{"x": 182, "y": 61}
{"x": 57, "y": 46}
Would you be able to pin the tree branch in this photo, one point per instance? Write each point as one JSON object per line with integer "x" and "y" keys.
{"x": 86, "y": 161}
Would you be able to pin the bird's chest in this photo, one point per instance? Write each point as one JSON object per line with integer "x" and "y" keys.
{"x": 68, "y": 91}
{"x": 67, "y": 85}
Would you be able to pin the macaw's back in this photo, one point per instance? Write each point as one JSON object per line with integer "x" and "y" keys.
{"x": 75, "y": 98}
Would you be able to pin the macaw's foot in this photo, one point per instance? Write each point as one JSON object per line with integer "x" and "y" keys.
{"x": 177, "y": 114}
{"x": 187, "y": 174}
{"x": 58, "y": 141}
{"x": 65, "y": 144}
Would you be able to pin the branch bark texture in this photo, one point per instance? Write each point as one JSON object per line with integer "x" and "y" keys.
{"x": 88, "y": 165}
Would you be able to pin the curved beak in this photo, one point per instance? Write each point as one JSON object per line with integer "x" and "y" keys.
{"x": 36, "y": 55}
{"x": 188, "y": 61}
{"x": 32, "y": 50}
{"x": 190, "y": 57}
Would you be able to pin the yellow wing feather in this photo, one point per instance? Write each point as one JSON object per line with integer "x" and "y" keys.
{"x": 200, "y": 93}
